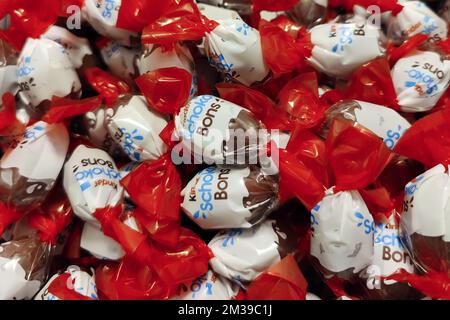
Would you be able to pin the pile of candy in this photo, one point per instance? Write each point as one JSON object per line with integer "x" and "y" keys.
{"x": 225, "y": 149}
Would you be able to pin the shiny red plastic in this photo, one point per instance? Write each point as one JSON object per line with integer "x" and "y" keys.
{"x": 155, "y": 187}
{"x": 283, "y": 281}
{"x": 355, "y": 155}
{"x": 428, "y": 140}
{"x": 166, "y": 89}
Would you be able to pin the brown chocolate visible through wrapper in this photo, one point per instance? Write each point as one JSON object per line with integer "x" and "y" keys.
{"x": 263, "y": 195}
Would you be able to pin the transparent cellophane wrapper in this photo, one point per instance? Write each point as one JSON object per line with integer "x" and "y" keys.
{"x": 24, "y": 266}
{"x": 309, "y": 12}
{"x": 8, "y": 68}
{"x": 21, "y": 191}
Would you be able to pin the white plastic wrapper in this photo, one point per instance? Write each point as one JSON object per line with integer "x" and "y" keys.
{"x": 79, "y": 281}
{"x": 343, "y": 232}
{"x": 136, "y": 128}
{"x": 45, "y": 70}
{"x": 32, "y": 163}
{"x": 242, "y": 254}
{"x": 389, "y": 256}
{"x": 420, "y": 79}
{"x": 340, "y": 48}
{"x": 234, "y": 49}
{"x": 99, "y": 245}
{"x": 77, "y": 48}
{"x": 206, "y": 124}
{"x": 228, "y": 197}
{"x": 8, "y": 69}
{"x": 384, "y": 122}
{"x": 426, "y": 205}
{"x": 91, "y": 181}
{"x": 23, "y": 267}
{"x": 120, "y": 59}
{"x": 15, "y": 286}
{"x": 154, "y": 57}
{"x": 103, "y": 15}
{"x": 210, "y": 286}
{"x": 96, "y": 124}
{"x": 414, "y": 18}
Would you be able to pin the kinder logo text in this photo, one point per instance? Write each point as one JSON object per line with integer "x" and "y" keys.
{"x": 344, "y": 35}
{"x": 93, "y": 169}
{"x": 424, "y": 78}
{"x": 212, "y": 187}
{"x": 198, "y": 116}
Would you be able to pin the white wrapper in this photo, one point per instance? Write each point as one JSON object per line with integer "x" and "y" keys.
{"x": 96, "y": 125}
{"x": 389, "y": 254}
{"x": 416, "y": 17}
{"x": 14, "y": 285}
{"x": 343, "y": 230}
{"x": 91, "y": 181}
{"x": 214, "y": 198}
{"x": 210, "y": 286}
{"x": 102, "y": 16}
{"x": 77, "y": 48}
{"x": 203, "y": 125}
{"x": 45, "y": 70}
{"x": 48, "y": 146}
{"x": 79, "y": 281}
{"x": 234, "y": 49}
{"x": 99, "y": 245}
{"x": 242, "y": 254}
{"x": 341, "y": 48}
{"x": 426, "y": 209}
{"x": 420, "y": 79}
{"x": 384, "y": 122}
{"x": 120, "y": 60}
{"x": 136, "y": 128}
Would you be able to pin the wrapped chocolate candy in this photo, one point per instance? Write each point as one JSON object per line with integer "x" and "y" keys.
{"x": 25, "y": 261}
{"x": 342, "y": 225}
{"x": 91, "y": 181}
{"x": 413, "y": 17}
{"x": 120, "y": 60}
{"x": 384, "y": 122}
{"x": 208, "y": 127}
{"x": 103, "y": 16}
{"x": 72, "y": 284}
{"x": 342, "y": 234}
{"x": 78, "y": 49}
{"x": 233, "y": 47}
{"x": 228, "y": 197}
{"x": 210, "y": 286}
{"x": 337, "y": 49}
{"x": 24, "y": 179}
{"x": 389, "y": 256}
{"x": 420, "y": 79}
{"x": 23, "y": 268}
{"x": 242, "y": 254}
{"x": 96, "y": 124}
{"x": 45, "y": 70}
